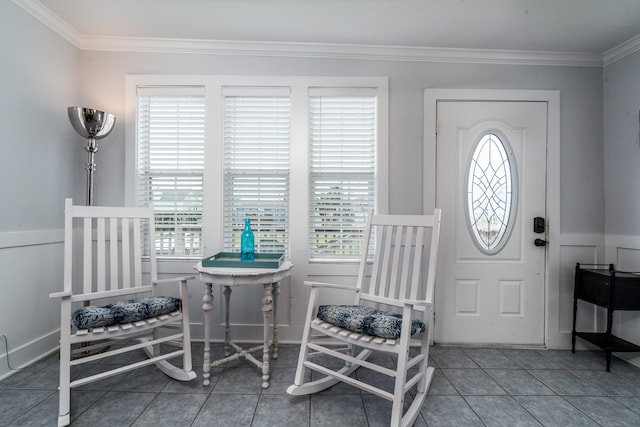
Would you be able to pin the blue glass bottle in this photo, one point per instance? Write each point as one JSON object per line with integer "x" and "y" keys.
{"x": 247, "y": 242}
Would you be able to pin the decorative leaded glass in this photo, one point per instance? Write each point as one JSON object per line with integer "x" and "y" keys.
{"x": 491, "y": 192}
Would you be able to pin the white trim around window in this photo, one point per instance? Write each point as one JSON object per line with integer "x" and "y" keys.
{"x": 300, "y": 88}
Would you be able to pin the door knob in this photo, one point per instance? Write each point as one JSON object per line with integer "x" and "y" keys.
{"x": 540, "y": 242}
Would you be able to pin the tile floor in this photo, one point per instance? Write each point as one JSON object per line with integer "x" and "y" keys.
{"x": 471, "y": 387}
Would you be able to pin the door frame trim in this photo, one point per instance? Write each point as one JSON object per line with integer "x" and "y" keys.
{"x": 552, "y": 335}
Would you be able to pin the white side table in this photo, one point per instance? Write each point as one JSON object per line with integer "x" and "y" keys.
{"x": 229, "y": 277}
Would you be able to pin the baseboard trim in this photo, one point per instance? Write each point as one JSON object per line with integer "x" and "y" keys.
{"x": 632, "y": 358}
{"x": 27, "y": 354}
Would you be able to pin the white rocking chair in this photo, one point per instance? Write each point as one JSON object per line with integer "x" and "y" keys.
{"x": 395, "y": 283}
{"x": 108, "y": 245}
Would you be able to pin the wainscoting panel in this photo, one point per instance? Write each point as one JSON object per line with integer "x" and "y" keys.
{"x": 30, "y": 269}
{"x": 624, "y": 252}
{"x": 584, "y": 249}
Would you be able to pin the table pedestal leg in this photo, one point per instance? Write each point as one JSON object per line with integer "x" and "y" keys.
{"x": 227, "y": 330}
{"x": 275, "y": 293}
{"x": 207, "y": 306}
{"x": 267, "y": 309}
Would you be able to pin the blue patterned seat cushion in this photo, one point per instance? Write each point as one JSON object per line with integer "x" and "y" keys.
{"x": 127, "y": 311}
{"x": 367, "y": 320}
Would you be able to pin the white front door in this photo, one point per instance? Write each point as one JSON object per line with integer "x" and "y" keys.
{"x": 490, "y": 185}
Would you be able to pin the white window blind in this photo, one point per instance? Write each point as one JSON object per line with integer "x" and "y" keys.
{"x": 342, "y": 171}
{"x": 170, "y": 165}
{"x": 256, "y": 166}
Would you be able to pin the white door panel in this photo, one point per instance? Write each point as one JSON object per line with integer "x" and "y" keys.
{"x": 485, "y": 297}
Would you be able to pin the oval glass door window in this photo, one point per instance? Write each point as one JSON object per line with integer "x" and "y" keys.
{"x": 491, "y": 198}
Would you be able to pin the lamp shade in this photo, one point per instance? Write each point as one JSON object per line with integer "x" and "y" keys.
{"x": 91, "y": 123}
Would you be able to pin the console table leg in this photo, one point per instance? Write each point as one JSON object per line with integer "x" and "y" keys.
{"x": 276, "y": 293}
{"x": 267, "y": 310}
{"x": 207, "y": 307}
{"x": 227, "y": 330}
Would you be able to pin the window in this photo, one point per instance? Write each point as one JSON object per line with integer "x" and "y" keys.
{"x": 342, "y": 170}
{"x": 170, "y": 157}
{"x": 256, "y": 137}
{"x": 298, "y": 155}
{"x": 491, "y": 192}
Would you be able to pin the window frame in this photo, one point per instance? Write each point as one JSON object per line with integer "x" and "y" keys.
{"x": 157, "y": 169}
{"x": 299, "y": 182}
{"x": 331, "y": 112}
{"x": 258, "y": 180}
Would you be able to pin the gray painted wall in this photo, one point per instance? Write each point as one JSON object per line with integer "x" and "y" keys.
{"x": 622, "y": 147}
{"x": 42, "y": 153}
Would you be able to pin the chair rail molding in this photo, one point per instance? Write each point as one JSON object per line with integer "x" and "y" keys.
{"x": 13, "y": 239}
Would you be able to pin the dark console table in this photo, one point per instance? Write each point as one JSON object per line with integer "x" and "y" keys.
{"x": 614, "y": 290}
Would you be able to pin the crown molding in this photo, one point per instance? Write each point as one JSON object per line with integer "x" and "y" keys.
{"x": 306, "y": 50}
{"x": 339, "y": 51}
{"x": 621, "y": 51}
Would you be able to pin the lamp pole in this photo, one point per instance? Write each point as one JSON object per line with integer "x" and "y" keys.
{"x": 92, "y": 148}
